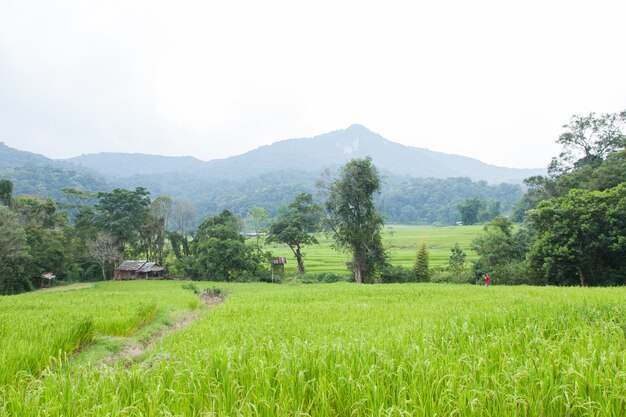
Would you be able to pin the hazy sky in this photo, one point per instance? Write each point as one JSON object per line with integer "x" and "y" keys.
{"x": 494, "y": 80}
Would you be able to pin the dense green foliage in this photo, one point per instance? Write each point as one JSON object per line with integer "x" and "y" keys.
{"x": 436, "y": 201}
{"x": 220, "y": 251}
{"x": 353, "y": 219}
{"x": 6, "y": 192}
{"x": 391, "y": 350}
{"x": 457, "y": 266}
{"x": 122, "y": 214}
{"x": 576, "y": 216}
{"x": 581, "y": 238}
{"x": 502, "y": 251}
{"x": 401, "y": 200}
{"x": 13, "y": 254}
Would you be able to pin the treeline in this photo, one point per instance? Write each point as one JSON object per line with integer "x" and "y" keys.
{"x": 574, "y": 219}
{"x": 401, "y": 200}
{"x": 85, "y": 238}
{"x": 437, "y": 201}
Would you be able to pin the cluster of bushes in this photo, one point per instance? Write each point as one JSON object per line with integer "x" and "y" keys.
{"x": 318, "y": 278}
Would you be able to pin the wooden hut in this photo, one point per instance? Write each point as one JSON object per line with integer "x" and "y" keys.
{"x": 278, "y": 264}
{"x": 47, "y": 279}
{"x": 138, "y": 270}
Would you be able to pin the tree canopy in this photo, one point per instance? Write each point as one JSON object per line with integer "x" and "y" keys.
{"x": 296, "y": 225}
{"x": 581, "y": 238}
{"x": 353, "y": 219}
{"x": 220, "y": 250}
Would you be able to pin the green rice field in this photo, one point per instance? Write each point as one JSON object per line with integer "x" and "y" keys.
{"x": 316, "y": 350}
{"x": 401, "y": 241}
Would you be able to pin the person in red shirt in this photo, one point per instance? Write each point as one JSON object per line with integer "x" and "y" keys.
{"x": 487, "y": 280}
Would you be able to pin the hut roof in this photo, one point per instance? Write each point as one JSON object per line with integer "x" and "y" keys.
{"x": 139, "y": 266}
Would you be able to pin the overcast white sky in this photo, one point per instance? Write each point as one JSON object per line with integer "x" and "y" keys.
{"x": 494, "y": 80}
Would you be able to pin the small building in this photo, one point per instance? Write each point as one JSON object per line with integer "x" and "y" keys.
{"x": 278, "y": 264}
{"x": 47, "y": 279}
{"x": 138, "y": 270}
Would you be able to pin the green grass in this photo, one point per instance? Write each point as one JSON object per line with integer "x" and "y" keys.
{"x": 43, "y": 327}
{"x": 349, "y": 350}
{"x": 401, "y": 242}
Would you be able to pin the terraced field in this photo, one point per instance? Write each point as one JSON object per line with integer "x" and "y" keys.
{"x": 316, "y": 350}
{"x": 401, "y": 241}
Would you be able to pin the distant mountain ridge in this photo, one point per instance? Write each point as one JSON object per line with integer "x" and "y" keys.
{"x": 419, "y": 186}
{"x": 314, "y": 154}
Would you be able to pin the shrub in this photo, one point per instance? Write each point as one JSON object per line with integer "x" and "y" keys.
{"x": 322, "y": 277}
{"x": 191, "y": 286}
{"x": 396, "y": 273}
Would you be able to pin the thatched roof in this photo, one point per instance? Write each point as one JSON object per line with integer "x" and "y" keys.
{"x": 139, "y": 266}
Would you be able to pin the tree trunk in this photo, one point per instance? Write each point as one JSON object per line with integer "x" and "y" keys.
{"x": 358, "y": 270}
{"x": 358, "y": 275}
{"x": 581, "y": 276}
{"x": 300, "y": 261}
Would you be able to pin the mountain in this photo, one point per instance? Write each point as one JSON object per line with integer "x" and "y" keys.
{"x": 34, "y": 174}
{"x": 11, "y": 158}
{"x": 314, "y": 154}
{"x": 419, "y": 186}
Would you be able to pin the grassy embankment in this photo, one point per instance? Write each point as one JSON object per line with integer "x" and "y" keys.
{"x": 335, "y": 350}
{"x": 401, "y": 241}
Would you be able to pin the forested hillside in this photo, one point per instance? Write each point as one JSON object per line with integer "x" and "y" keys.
{"x": 401, "y": 200}
{"x": 419, "y": 186}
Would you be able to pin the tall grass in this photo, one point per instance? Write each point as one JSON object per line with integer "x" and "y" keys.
{"x": 38, "y": 328}
{"x": 342, "y": 349}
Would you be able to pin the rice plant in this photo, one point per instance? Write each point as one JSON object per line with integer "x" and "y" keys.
{"x": 343, "y": 349}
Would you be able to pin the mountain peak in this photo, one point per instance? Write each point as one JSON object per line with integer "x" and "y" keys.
{"x": 358, "y": 128}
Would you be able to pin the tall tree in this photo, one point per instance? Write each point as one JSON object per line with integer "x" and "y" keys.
{"x": 183, "y": 217}
{"x": 122, "y": 213}
{"x": 6, "y": 192}
{"x": 162, "y": 208}
{"x": 46, "y": 235}
{"x": 104, "y": 249}
{"x": 469, "y": 209}
{"x": 421, "y": 269}
{"x": 592, "y": 157}
{"x": 352, "y": 217}
{"x": 295, "y": 226}
{"x": 589, "y": 140}
{"x": 257, "y": 217}
{"x": 456, "y": 263}
{"x": 152, "y": 237}
{"x": 13, "y": 254}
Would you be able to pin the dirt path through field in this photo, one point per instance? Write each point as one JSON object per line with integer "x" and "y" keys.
{"x": 135, "y": 349}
